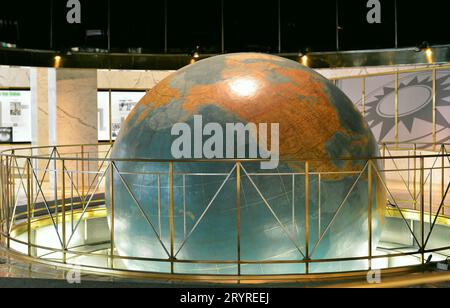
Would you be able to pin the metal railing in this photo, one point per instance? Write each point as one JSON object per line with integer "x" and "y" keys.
{"x": 64, "y": 185}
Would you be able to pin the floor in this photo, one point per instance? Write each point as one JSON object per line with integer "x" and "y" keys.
{"x": 21, "y": 274}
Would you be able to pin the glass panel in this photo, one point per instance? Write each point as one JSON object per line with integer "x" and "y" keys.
{"x": 308, "y": 24}
{"x": 194, "y": 25}
{"x": 26, "y": 23}
{"x": 91, "y": 34}
{"x": 272, "y": 224}
{"x": 138, "y": 26}
{"x": 205, "y": 217}
{"x": 251, "y": 25}
{"x": 415, "y": 107}
{"x": 443, "y": 105}
{"x": 380, "y": 107}
{"x": 339, "y": 266}
{"x": 353, "y": 88}
{"x": 357, "y": 33}
{"x": 412, "y": 33}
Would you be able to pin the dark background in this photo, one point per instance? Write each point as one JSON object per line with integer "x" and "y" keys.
{"x": 175, "y": 26}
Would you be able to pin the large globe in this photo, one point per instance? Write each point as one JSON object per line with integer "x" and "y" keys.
{"x": 317, "y": 123}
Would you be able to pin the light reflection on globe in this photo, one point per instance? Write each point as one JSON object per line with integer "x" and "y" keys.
{"x": 317, "y": 121}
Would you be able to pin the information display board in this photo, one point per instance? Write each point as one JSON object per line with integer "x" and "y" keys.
{"x": 412, "y": 119}
{"x": 15, "y": 113}
{"x": 122, "y": 102}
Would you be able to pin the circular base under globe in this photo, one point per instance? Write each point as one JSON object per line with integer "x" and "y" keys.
{"x": 93, "y": 260}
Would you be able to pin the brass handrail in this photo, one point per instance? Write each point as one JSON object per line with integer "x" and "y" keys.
{"x": 59, "y": 213}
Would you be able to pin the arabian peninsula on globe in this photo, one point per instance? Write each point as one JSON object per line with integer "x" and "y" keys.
{"x": 317, "y": 123}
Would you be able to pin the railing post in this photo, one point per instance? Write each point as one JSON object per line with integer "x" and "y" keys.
{"x": 434, "y": 75}
{"x": 293, "y": 205}
{"x": 55, "y": 179}
{"x": 83, "y": 197}
{"x": 7, "y": 203}
{"x": 238, "y": 208}
{"x": 110, "y": 116}
{"x": 72, "y": 225}
{"x": 184, "y": 207}
{"x": 112, "y": 212}
{"x": 29, "y": 206}
{"x": 159, "y": 207}
{"x": 415, "y": 178}
{"x": 442, "y": 177}
{"x": 172, "y": 223}
{"x": 1, "y": 198}
{"x": 32, "y": 186}
{"x": 63, "y": 209}
{"x": 13, "y": 180}
{"x": 363, "y": 97}
{"x": 396, "y": 108}
{"x": 89, "y": 182}
{"x": 369, "y": 211}
{"x": 13, "y": 185}
{"x": 422, "y": 208}
{"x": 307, "y": 216}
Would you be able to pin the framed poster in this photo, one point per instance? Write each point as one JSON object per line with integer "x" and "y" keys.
{"x": 15, "y": 112}
{"x": 122, "y": 102}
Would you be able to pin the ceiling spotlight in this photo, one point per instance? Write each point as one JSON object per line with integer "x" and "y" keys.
{"x": 304, "y": 56}
{"x": 426, "y": 49}
{"x": 305, "y": 60}
{"x": 429, "y": 55}
{"x": 57, "y": 61}
{"x": 422, "y": 46}
{"x": 196, "y": 53}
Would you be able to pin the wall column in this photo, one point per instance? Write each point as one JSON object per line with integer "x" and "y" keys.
{"x": 73, "y": 116}
{"x": 64, "y": 106}
{"x": 64, "y": 112}
{"x": 40, "y": 92}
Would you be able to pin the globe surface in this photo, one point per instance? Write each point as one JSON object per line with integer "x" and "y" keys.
{"x": 317, "y": 122}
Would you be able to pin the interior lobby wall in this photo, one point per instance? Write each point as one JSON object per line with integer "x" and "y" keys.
{"x": 14, "y": 77}
{"x": 19, "y": 77}
{"x": 142, "y": 80}
{"x": 333, "y": 73}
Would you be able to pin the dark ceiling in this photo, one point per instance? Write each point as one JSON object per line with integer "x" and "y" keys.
{"x": 216, "y": 26}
